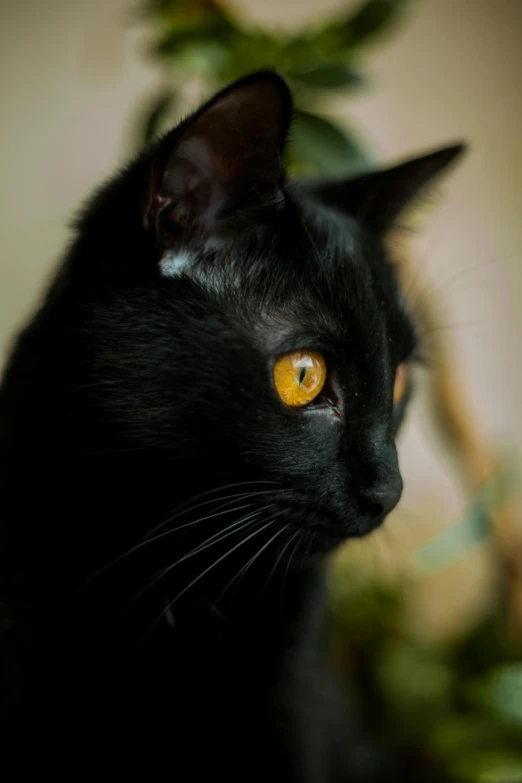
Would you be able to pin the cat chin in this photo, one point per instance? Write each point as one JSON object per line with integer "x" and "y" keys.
{"x": 365, "y": 527}
{"x": 320, "y": 541}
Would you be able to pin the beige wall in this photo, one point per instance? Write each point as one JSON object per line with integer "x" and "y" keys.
{"x": 72, "y": 76}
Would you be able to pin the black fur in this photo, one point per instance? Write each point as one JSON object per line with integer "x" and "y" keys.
{"x": 138, "y": 421}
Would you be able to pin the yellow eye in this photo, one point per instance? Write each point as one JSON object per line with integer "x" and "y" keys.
{"x": 401, "y": 383}
{"x": 299, "y": 377}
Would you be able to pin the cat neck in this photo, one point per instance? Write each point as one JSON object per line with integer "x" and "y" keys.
{"x": 264, "y": 635}
{"x": 256, "y": 611}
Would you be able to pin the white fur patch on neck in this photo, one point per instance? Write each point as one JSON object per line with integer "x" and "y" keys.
{"x": 174, "y": 264}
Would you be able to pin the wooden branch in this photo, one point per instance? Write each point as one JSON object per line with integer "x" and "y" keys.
{"x": 460, "y": 426}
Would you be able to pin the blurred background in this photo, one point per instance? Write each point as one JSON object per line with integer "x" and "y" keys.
{"x": 83, "y": 83}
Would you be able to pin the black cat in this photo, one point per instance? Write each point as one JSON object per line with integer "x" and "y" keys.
{"x": 203, "y": 407}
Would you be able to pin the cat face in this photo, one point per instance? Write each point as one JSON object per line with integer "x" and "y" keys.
{"x": 255, "y": 330}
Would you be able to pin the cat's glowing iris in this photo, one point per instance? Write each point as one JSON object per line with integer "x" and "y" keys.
{"x": 401, "y": 383}
{"x": 299, "y": 377}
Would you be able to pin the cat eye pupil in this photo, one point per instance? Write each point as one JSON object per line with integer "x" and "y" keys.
{"x": 299, "y": 377}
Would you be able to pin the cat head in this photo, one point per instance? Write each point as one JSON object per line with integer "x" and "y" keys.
{"x": 248, "y": 327}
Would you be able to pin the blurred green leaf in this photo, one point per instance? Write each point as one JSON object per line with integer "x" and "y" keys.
{"x": 328, "y": 76}
{"x": 193, "y": 23}
{"x": 464, "y": 535}
{"x": 311, "y": 50}
{"x": 182, "y": 9}
{"x": 179, "y": 37}
{"x": 320, "y": 146}
{"x": 483, "y": 647}
{"x": 454, "y": 541}
{"x": 417, "y": 684}
{"x": 161, "y": 6}
{"x": 154, "y": 116}
{"x": 252, "y": 52}
{"x": 461, "y": 733}
{"x": 206, "y": 60}
{"x": 501, "y": 692}
{"x": 373, "y": 18}
{"x": 482, "y": 766}
{"x": 363, "y": 612}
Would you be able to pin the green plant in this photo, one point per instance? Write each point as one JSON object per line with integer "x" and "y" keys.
{"x": 202, "y": 44}
{"x": 449, "y": 712}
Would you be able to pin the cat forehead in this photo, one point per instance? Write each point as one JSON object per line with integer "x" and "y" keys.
{"x": 324, "y": 238}
{"x": 319, "y": 282}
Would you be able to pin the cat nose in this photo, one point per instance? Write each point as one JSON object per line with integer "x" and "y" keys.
{"x": 382, "y": 497}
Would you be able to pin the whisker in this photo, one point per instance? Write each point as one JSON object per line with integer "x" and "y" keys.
{"x": 440, "y": 286}
{"x": 189, "y": 508}
{"x": 310, "y": 541}
{"x": 218, "y": 513}
{"x": 436, "y": 329}
{"x": 242, "y": 571}
{"x": 204, "y": 573}
{"x": 215, "y": 539}
{"x": 278, "y": 560}
{"x": 298, "y": 534}
{"x": 147, "y": 541}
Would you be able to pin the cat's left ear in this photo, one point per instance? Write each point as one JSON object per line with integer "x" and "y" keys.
{"x": 223, "y": 164}
{"x": 378, "y": 198}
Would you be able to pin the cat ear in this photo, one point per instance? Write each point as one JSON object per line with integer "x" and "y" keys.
{"x": 224, "y": 162}
{"x": 378, "y": 198}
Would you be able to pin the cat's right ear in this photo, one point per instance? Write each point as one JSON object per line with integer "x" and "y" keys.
{"x": 378, "y": 198}
{"x": 221, "y": 165}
